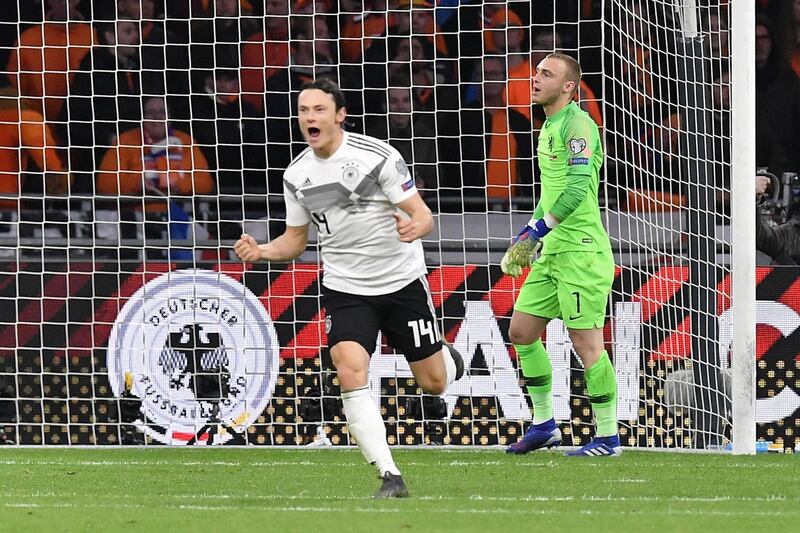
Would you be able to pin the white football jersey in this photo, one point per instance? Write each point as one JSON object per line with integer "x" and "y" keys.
{"x": 350, "y": 197}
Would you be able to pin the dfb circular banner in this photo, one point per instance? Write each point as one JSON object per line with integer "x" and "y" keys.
{"x": 200, "y": 351}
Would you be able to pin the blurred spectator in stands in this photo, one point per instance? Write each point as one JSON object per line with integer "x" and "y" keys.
{"x": 720, "y": 155}
{"x": 656, "y": 162}
{"x": 266, "y": 53}
{"x": 416, "y": 17}
{"x": 220, "y": 29}
{"x": 360, "y": 21}
{"x": 631, "y": 91}
{"x": 312, "y": 7}
{"x": 160, "y": 164}
{"x": 47, "y": 56}
{"x": 719, "y": 35}
{"x": 161, "y": 52}
{"x": 496, "y": 142}
{"x": 423, "y": 80}
{"x": 790, "y": 22}
{"x": 154, "y": 159}
{"x": 223, "y": 21}
{"x": 311, "y": 55}
{"x": 231, "y": 134}
{"x": 413, "y": 135}
{"x": 205, "y": 6}
{"x": 777, "y": 104}
{"x": 104, "y": 97}
{"x": 26, "y": 145}
{"x": 409, "y": 57}
{"x": 310, "y": 58}
{"x": 504, "y": 35}
{"x": 463, "y": 31}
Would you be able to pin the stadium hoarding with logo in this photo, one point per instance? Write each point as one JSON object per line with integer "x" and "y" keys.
{"x": 71, "y": 332}
{"x": 200, "y": 351}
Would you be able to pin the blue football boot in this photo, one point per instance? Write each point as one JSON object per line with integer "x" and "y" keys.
{"x": 544, "y": 435}
{"x": 599, "y": 447}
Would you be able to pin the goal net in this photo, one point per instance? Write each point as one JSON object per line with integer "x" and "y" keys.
{"x": 141, "y": 158}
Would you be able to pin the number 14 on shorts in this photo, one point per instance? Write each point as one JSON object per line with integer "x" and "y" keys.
{"x": 423, "y": 327}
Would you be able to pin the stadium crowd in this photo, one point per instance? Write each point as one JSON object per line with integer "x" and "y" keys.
{"x": 160, "y": 101}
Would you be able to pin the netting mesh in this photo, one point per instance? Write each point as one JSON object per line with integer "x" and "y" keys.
{"x": 151, "y": 134}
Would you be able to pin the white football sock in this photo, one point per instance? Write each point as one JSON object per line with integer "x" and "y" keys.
{"x": 449, "y": 366}
{"x": 366, "y": 425}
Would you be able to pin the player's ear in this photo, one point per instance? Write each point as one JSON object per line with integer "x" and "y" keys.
{"x": 341, "y": 115}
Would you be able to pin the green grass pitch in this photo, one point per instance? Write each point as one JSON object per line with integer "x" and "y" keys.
{"x": 163, "y": 489}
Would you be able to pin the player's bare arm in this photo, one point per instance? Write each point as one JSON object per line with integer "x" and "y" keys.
{"x": 288, "y": 246}
{"x": 420, "y": 222}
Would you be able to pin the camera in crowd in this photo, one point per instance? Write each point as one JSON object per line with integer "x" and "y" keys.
{"x": 782, "y": 200}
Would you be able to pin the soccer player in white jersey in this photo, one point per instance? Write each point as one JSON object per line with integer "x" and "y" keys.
{"x": 361, "y": 197}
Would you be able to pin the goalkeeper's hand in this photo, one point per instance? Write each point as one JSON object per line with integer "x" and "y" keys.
{"x": 527, "y": 243}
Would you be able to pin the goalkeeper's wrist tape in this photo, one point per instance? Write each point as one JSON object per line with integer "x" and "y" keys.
{"x": 543, "y": 226}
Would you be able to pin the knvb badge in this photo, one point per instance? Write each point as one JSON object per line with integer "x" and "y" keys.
{"x": 202, "y": 353}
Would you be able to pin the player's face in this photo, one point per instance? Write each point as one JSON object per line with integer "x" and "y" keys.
{"x": 550, "y": 83}
{"x": 319, "y": 121}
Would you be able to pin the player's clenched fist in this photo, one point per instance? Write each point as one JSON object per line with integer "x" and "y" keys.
{"x": 247, "y": 248}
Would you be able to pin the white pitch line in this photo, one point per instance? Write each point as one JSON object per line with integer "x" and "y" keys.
{"x": 404, "y": 509}
{"x": 474, "y": 498}
{"x": 599, "y": 464}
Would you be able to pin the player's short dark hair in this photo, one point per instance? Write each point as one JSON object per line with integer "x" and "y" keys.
{"x": 574, "y": 72}
{"x": 327, "y": 86}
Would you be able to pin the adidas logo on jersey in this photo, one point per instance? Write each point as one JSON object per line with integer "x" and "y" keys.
{"x": 307, "y": 183}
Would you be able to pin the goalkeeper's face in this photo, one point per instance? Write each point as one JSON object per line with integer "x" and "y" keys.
{"x": 319, "y": 121}
{"x": 550, "y": 83}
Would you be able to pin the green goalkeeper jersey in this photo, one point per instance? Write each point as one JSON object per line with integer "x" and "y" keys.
{"x": 570, "y": 156}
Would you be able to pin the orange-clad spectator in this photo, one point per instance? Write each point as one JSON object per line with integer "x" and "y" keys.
{"x": 504, "y": 35}
{"x": 48, "y": 54}
{"x": 496, "y": 137}
{"x": 154, "y": 160}
{"x": 359, "y": 28}
{"x": 26, "y": 139}
{"x": 518, "y": 91}
{"x": 265, "y": 54}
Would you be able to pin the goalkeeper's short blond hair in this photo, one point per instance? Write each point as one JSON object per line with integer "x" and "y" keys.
{"x": 574, "y": 72}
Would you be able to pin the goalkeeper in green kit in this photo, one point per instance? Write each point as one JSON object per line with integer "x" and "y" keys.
{"x": 572, "y": 277}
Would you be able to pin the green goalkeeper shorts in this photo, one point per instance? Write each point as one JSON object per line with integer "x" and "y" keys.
{"x": 572, "y": 286}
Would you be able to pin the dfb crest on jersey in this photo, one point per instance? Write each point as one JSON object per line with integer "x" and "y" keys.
{"x": 201, "y": 353}
{"x": 350, "y": 174}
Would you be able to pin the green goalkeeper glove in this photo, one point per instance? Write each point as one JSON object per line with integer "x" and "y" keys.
{"x": 526, "y": 244}
{"x": 519, "y": 256}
